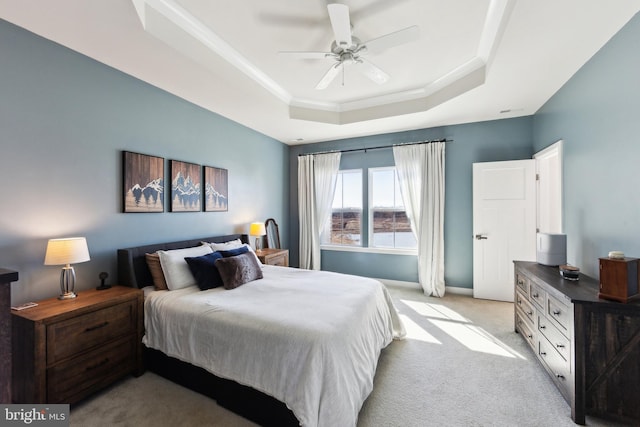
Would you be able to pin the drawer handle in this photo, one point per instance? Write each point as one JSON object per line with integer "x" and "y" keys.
{"x": 560, "y": 345}
{"x": 556, "y": 312}
{"x": 519, "y": 301}
{"x": 530, "y": 336}
{"x": 530, "y": 313}
{"x": 93, "y": 328}
{"x": 560, "y": 376}
{"x": 520, "y": 282}
{"x": 543, "y": 327}
{"x": 97, "y": 365}
{"x": 536, "y": 295}
{"x": 543, "y": 353}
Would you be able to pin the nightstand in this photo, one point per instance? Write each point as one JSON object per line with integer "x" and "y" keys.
{"x": 274, "y": 256}
{"x": 65, "y": 350}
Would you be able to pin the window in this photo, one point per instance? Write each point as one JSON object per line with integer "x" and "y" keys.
{"x": 389, "y": 225}
{"x": 346, "y": 214}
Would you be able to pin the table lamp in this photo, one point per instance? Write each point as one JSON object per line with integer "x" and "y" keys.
{"x": 65, "y": 252}
{"x": 257, "y": 230}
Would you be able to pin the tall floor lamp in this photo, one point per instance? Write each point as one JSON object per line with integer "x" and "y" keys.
{"x": 65, "y": 252}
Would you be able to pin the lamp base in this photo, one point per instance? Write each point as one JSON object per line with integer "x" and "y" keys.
{"x": 67, "y": 295}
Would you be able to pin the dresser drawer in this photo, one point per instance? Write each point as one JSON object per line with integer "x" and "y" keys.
{"x": 560, "y": 313}
{"x": 526, "y": 307}
{"x": 70, "y": 337}
{"x": 559, "y": 368}
{"x": 537, "y": 294}
{"x": 555, "y": 337}
{"x": 92, "y": 370}
{"x": 522, "y": 283}
{"x": 523, "y": 325}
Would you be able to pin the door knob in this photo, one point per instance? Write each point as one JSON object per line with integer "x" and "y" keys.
{"x": 481, "y": 237}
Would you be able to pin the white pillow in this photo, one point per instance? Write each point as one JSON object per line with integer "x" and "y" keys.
{"x": 175, "y": 268}
{"x": 233, "y": 244}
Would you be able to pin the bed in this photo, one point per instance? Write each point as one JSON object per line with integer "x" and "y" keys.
{"x": 296, "y": 347}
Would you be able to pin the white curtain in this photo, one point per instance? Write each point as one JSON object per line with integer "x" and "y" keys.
{"x": 317, "y": 174}
{"x": 421, "y": 177}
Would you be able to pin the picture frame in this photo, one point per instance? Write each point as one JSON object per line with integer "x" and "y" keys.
{"x": 216, "y": 189}
{"x": 143, "y": 179}
{"x": 185, "y": 187}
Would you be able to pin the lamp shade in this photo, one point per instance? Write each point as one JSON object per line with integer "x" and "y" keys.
{"x": 257, "y": 229}
{"x": 71, "y": 250}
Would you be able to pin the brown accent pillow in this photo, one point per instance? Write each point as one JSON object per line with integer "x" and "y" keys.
{"x": 238, "y": 270}
{"x": 153, "y": 262}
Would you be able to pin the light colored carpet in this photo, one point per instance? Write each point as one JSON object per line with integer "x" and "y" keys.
{"x": 461, "y": 365}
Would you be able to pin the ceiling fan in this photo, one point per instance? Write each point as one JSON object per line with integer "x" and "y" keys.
{"x": 347, "y": 49}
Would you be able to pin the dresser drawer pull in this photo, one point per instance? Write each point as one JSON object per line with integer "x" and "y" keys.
{"x": 530, "y": 313}
{"x": 520, "y": 282}
{"x": 560, "y": 376}
{"x": 556, "y": 312}
{"x": 560, "y": 345}
{"x": 543, "y": 353}
{"x": 519, "y": 301}
{"x": 93, "y": 328}
{"x": 529, "y": 336}
{"x": 97, "y": 365}
{"x": 543, "y": 327}
{"x": 536, "y": 295}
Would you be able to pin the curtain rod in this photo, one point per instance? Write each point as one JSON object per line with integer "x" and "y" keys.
{"x": 377, "y": 148}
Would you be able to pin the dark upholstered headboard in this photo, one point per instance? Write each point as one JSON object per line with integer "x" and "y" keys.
{"x": 132, "y": 264}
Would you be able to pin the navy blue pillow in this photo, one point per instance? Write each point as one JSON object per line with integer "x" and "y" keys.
{"x": 204, "y": 270}
{"x": 233, "y": 252}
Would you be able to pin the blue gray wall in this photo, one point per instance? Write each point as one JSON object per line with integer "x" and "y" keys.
{"x": 64, "y": 121}
{"x": 507, "y": 139}
{"x": 597, "y": 114}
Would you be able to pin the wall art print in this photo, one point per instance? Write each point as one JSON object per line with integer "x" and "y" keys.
{"x": 216, "y": 194}
{"x": 143, "y": 183}
{"x": 185, "y": 187}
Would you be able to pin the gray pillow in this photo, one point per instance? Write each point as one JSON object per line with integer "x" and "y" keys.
{"x": 238, "y": 270}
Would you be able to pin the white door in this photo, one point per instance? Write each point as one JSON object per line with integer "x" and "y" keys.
{"x": 504, "y": 225}
{"x": 549, "y": 183}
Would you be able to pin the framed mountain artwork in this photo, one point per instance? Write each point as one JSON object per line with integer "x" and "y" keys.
{"x": 143, "y": 178}
{"x": 216, "y": 189}
{"x": 185, "y": 187}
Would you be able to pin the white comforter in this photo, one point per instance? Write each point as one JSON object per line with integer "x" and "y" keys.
{"x": 311, "y": 339}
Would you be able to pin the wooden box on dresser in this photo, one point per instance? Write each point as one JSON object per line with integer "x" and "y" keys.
{"x": 590, "y": 347}
{"x": 64, "y": 350}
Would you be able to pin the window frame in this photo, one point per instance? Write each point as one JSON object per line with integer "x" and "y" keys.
{"x": 368, "y": 237}
{"x": 370, "y": 212}
{"x": 328, "y": 227}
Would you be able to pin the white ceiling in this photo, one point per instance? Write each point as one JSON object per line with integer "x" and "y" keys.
{"x": 475, "y": 60}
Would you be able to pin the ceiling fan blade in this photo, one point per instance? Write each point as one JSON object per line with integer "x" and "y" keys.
{"x": 308, "y": 55}
{"x": 396, "y": 38}
{"x": 341, "y": 24}
{"x": 329, "y": 76}
{"x": 371, "y": 71}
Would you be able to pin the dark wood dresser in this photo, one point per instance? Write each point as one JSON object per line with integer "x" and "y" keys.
{"x": 65, "y": 350}
{"x": 590, "y": 347}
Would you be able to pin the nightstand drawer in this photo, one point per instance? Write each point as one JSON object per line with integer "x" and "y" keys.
{"x": 70, "y": 337}
{"x": 92, "y": 370}
{"x": 280, "y": 260}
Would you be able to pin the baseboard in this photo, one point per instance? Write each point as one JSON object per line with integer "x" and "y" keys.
{"x": 416, "y": 286}
{"x": 459, "y": 291}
